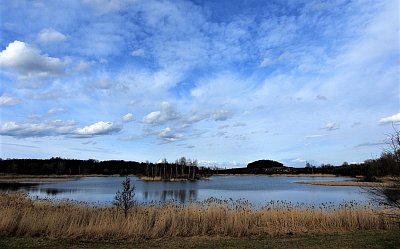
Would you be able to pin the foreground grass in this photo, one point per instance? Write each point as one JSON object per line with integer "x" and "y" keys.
{"x": 21, "y": 216}
{"x": 360, "y": 239}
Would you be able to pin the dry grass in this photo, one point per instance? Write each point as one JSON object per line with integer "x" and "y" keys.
{"x": 21, "y": 216}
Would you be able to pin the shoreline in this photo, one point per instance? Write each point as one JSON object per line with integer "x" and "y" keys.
{"x": 345, "y": 183}
{"x": 159, "y": 179}
{"x": 36, "y": 178}
{"x": 288, "y": 175}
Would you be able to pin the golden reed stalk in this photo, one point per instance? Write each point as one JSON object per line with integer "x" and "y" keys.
{"x": 22, "y": 216}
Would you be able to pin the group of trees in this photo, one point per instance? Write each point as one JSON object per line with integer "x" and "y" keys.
{"x": 181, "y": 168}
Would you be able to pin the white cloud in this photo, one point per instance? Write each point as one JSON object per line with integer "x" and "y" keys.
{"x": 316, "y": 136}
{"x": 56, "y": 128}
{"x": 137, "y": 53}
{"x": 50, "y": 35}
{"x": 167, "y": 113}
{"x": 99, "y": 128}
{"x": 8, "y": 100}
{"x": 391, "y": 119}
{"x": 169, "y": 136}
{"x": 298, "y": 160}
{"x": 55, "y": 110}
{"x": 83, "y": 66}
{"x": 331, "y": 126}
{"x": 28, "y": 61}
{"x": 53, "y": 128}
{"x": 127, "y": 117}
{"x": 152, "y": 117}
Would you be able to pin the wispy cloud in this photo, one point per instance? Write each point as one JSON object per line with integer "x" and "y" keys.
{"x": 8, "y": 100}
{"x": 50, "y": 35}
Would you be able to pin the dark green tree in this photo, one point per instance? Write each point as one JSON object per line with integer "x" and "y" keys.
{"x": 124, "y": 199}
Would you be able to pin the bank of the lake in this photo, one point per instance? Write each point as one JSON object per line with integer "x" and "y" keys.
{"x": 22, "y": 216}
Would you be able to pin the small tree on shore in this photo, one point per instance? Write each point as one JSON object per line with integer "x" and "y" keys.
{"x": 124, "y": 199}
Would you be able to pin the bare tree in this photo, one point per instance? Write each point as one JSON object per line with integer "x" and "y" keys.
{"x": 124, "y": 199}
{"x": 388, "y": 194}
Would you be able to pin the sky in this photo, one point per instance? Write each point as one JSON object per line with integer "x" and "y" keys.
{"x": 224, "y": 82}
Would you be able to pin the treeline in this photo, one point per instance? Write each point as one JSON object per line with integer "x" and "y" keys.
{"x": 386, "y": 164}
{"x": 181, "y": 168}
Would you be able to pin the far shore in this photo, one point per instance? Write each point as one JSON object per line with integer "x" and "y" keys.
{"x": 36, "y": 178}
{"x": 345, "y": 183}
{"x": 289, "y": 175}
{"x": 12, "y": 178}
{"x": 157, "y": 179}
{"x": 58, "y": 178}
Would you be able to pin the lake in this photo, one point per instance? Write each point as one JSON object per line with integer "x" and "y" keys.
{"x": 256, "y": 189}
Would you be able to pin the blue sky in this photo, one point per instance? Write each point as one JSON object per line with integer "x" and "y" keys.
{"x": 223, "y": 82}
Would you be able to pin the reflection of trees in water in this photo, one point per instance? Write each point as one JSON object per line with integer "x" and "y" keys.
{"x": 16, "y": 186}
{"x": 56, "y": 191}
{"x": 180, "y": 195}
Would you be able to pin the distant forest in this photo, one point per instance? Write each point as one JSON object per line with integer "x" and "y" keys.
{"x": 187, "y": 168}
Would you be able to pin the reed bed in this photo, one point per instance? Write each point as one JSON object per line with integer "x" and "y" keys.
{"x": 22, "y": 216}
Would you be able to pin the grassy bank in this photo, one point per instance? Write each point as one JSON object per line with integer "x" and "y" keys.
{"x": 355, "y": 240}
{"x": 24, "y": 217}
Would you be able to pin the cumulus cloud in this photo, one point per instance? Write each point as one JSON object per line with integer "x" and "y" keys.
{"x": 391, "y": 119}
{"x": 99, "y": 128}
{"x": 56, "y": 128}
{"x": 29, "y": 61}
{"x": 168, "y": 135}
{"x": 127, "y": 117}
{"x": 222, "y": 115}
{"x": 152, "y": 117}
{"x": 50, "y": 35}
{"x": 8, "y": 100}
{"x": 331, "y": 126}
{"x": 53, "y": 128}
{"x": 167, "y": 113}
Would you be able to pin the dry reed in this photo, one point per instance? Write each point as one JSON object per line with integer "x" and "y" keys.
{"x": 22, "y": 216}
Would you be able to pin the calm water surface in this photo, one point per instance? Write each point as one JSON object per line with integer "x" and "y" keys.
{"x": 255, "y": 189}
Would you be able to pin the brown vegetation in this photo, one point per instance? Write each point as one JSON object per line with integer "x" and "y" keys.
{"x": 22, "y": 216}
